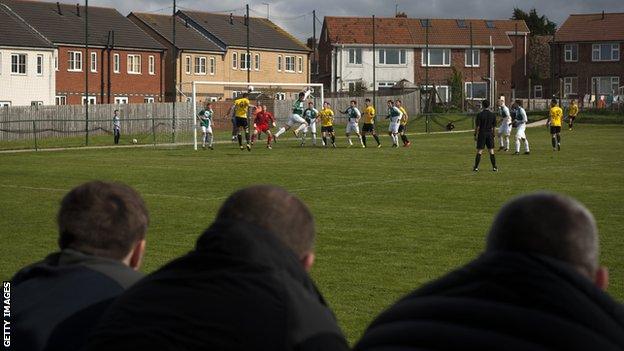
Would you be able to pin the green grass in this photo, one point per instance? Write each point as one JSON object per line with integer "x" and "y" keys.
{"x": 388, "y": 220}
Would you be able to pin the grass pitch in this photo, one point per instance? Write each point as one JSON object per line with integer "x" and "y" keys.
{"x": 388, "y": 220}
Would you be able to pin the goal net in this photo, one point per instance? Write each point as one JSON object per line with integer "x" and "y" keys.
{"x": 223, "y": 94}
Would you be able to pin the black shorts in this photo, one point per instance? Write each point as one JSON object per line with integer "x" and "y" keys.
{"x": 368, "y": 127}
{"x": 555, "y": 130}
{"x": 485, "y": 140}
{"x": 401, "y": 128}
{"x": 241, "y": 122}
{"x": 329, "y": 129}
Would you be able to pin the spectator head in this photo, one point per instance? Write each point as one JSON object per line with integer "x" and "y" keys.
{"x": 106, "y": 220}
{"x": 551, "y": 225}
{"x": 277, "y": 211}
{"x": 485, "y": 104}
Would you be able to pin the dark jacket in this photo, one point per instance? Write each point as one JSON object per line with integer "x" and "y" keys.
{"x": 502, "y": 301}
{"x": 240, "y": 289}
{"x": 48, "y": 293}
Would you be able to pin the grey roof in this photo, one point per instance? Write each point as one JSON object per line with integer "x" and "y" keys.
{"x": 262, "y": 34}
{"x": 14, "y": 32}
{"x": 187, "y": 37}
{"x": 67, "y": 27}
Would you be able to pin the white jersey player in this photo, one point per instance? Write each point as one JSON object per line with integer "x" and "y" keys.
{"x": 394, "y": 115}
{"x": 353, "y": 120}
{"x": 310, "y": 115}
{"x": 296, "y": 116}
{"x": 504, "y": 130}
{"x": 520, "y": 120}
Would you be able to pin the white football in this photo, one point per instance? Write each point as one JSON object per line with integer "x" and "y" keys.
{"x": 134, "y": 141}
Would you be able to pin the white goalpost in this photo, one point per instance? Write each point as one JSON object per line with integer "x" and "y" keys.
{"x": 318, "y": 90}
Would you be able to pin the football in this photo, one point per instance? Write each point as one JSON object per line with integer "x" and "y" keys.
{"x": 134, "y": 141}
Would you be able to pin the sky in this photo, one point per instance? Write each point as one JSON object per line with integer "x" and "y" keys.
{"x": 295, "y": 16}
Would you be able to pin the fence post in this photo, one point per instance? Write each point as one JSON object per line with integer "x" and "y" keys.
{"x": 35, "y": 134}
{"x": 153, "y": 131}
{"x": 427, "y": 123}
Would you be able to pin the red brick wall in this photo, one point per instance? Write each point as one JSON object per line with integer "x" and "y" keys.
{"x": 134, "y": 86}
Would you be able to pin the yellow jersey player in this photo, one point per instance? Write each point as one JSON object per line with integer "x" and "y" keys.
{"x": 241, "y": 109}
{"x": 326, "y": 116}
{"x": 403, "y": 123}
{"x": 554, "y": 122}
{"x": 369, "y": 123}
{"x": 572, "y": 113}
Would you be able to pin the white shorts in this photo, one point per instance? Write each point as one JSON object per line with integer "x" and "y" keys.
{"x": 504, "y": 129}
{"x": 295, "y": 119}
{"x": 520, "y": 131}
{"x": 311, "y": 127}
{"x": 206, "y": 129}
{"x": 394, "y": 127}
{"x": 352, "y": 127}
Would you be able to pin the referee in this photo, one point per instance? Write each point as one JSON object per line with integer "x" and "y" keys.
{"x": 484, "y": 135}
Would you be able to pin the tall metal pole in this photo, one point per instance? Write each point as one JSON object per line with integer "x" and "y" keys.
{"x": 513, "y": 76}
{"x": 175, "y": 75}
{"x": 248, "y": 63}
{"x": 374, "y": 69}
{"x": 472, "y": 65}
{"x": 87, "y": 67}
{"x": 315, "y": 59}
{"x": 427, "y": 65}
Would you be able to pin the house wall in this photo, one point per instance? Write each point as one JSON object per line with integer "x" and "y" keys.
{"x": 21, "y": 90}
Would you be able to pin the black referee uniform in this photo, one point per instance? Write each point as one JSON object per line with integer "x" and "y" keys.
{"x": 484, "y": 136}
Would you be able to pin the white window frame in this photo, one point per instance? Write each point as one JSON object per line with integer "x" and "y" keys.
{"x": 212, "y": 68}
{"x": 39, "y": 66}
{"x": 280, "y": 96}
{"x": 148, "y": 100}
{"x": 134, "y": 63}
{"x": 92, "y": 99}
{"x": 151, "y": 65}
{"x": 60, "y": 100}
{"x": 299, "y": 64}
{"x": 447, "y": 95}
{"x": 537, "y": 88}
{"x": 257, "y": 62}
{"x": 289, "y": 64}
{"x": 355, "y": 56}
{"x": 568, "y": 85}
{"x": 474, "y": 63}
{"x": 17, "y": 71}
{"x": 200, "y": 65}
{"x": 74, "y": 61}
{"x": 570, "y": 53}
{"x": 385, "y": 84}
{"x": 234, "y": 60}
{"x": 188, "y": 63}
{"x": 5, "y": 103}
{"x": 116, "y": 63}
{"x": 597, "y": 49}
{"x": 93, "y": 61}
{"x": 36, "y": 103}
{"x": 446, "y": 58}
{"x": 615, "y": 83}
{"x": 56, "y": 65}
{"x": 245, "y": 61}
{"x": 383, "y": 54}
{"x": 121, "y": 100}
{"x": 471, "y": 95}
{"x": 280, "y": 63}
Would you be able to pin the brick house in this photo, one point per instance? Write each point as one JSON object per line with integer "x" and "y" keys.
{"x": 587, "y": 51}
{"x": 499, "y": 53}
{"x": 124, "y": 64}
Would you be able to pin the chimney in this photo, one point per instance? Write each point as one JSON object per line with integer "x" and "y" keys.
{"x": 78, "y": 10}
{"x": 231, "y": 18}
{"x": 58, "y": 7}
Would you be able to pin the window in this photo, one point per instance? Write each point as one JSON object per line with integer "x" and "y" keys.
{"x": 92, "y": 100}
{"x": 355, "y": 56}
{"x": 18, "y": 63}
{"x": 116, "y": 64}
{"x": 437, "y": 57}
{"x": 200, "y": 65}
{"x": 39, "y": 65}
{"x": 606, "y": 52}
{"x": 151, "y": 65}
{"x": 385, "y": 84}
{"x": 299, "y": 64}
{"x": 234, "y": 60}
{"x": 212, "y": 66}
{"x": 60, "y": 100}
{"x": 443, "y": 92}
{"x": 605, "y": 85}
{"x": 5, "y": 103}
{"x": 461, "y": 23}
{"x": 134, "y": 64}
{"x": 279, "y": 63}
{"x": 352, "y": 86}
{"x": 55, "y": 62}
{"x": 425, "y": 23}
{"x": 290, "y": 64}
{"x": 36, "y": 103}
{"x": 569, "y": 85}
{"x": 476, "y": 90}
{"x": 148, "y": 100}
{"x": 121, "y": 100}
{"x": 392, "y": 57}
{"x": 474, "y": 59}
{"x": 490, "y": 24}
{"x": 571, "y": 53}
{"x": 280, "y": 96}
{"x": 214, "y": 99}
{"x": 538, "y": 92}
{"x": 93, "y": 65}
{"x": 245, "y": 61}
{"x": 187, "y": 64}
{"x": 75, "y": 61}
{"x": 257, "y": 62}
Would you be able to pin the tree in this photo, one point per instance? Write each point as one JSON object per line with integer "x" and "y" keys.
{"x": 538, "y": 25}
{"x": 456, "y": 87}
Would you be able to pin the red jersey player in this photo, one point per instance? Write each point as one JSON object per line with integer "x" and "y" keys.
{"x": 262, "y": 124}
